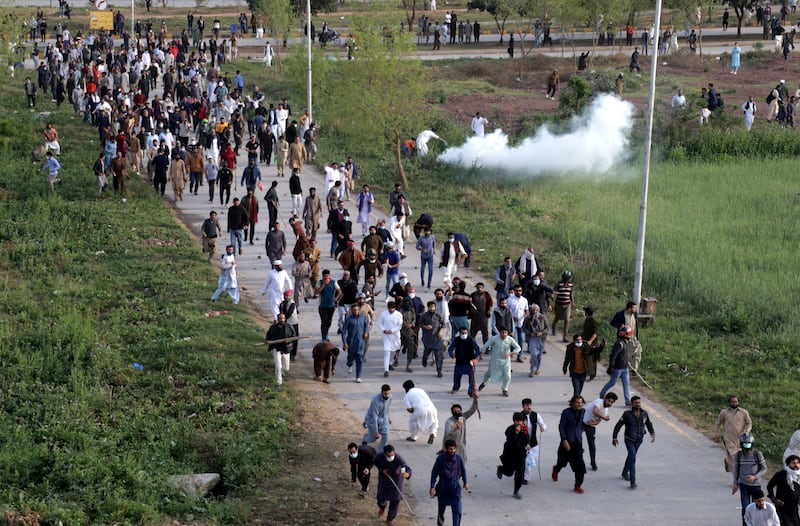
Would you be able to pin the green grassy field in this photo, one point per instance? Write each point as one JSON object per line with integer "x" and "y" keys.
{"x": 90, "y": 286}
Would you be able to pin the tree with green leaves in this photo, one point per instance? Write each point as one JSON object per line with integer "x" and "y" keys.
{"x": 279, "y": 15}
{"x": 410, "y": 7}
{"x": 377, "y": 97}
{"x": 499, "y": 9}
{"x": 12, "y": 40}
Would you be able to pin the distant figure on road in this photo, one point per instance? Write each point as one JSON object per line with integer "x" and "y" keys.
{"x": 732, "y": 423}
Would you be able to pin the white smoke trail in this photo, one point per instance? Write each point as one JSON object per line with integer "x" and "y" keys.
{"x": 596, "y": 141}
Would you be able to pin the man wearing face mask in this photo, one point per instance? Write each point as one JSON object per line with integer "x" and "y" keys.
{"x": 361, "y": 458}
{"x": 455, "y": 427}
{"x": 376, "y": 420}
{"x": 465, "y": 352}
{"x": 393, "y": 471}
{"x": 538, "y": 292}
{"x": 432, "y": 327}
{"x": 447, "y": 471}
{"x": 575, "y": 362}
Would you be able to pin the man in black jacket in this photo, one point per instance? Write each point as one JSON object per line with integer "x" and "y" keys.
{"x": 636, "y": 421}
{"x": 618, "y": 364}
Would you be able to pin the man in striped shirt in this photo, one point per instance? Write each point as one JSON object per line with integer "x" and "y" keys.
{"x": 564, "y": 302}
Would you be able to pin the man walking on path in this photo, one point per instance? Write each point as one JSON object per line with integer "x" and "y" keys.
{"x": 446, "y": 476}
{"x": 732, "y": 423}
{"x": 636, "y": 421}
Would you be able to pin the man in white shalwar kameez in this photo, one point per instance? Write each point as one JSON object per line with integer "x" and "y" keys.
{"x": 227, "y": 276}
{"x": 422, "y": 141}
{"x": 278, "y": 281}
{"x": 390, "y": 322}
{"x": 424, "y": 415}
{"x": 452, "y": 253}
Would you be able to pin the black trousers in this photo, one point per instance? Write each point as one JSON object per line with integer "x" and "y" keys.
{"x": 573, "y": 457}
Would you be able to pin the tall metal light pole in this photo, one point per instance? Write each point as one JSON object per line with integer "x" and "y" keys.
{"x": 133, "y": 34}
{"x": 308, "y": 44}
{"x": 637, "y": 281}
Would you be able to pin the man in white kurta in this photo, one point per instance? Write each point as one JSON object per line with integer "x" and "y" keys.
{"x": 278, "y": 281}
{"x": 227, "y": 277}
{"x": 424, "y": 416}
{"x": 478, "y": 123}
{"x": 452, "y": 252}
{"x": 422, "y": 141}
{"x": 390, "y": 322}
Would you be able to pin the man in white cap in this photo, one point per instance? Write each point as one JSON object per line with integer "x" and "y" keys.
{"x": 278, "y": 282}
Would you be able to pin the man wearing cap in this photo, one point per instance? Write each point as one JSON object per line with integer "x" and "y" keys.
{"x": 289, "y": 309}
{"x": 279, "y": 331}
{"x": 390, "y": 322}
{"x": 277, "y": 282}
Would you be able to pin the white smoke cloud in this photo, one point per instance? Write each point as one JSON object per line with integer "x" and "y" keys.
{"x": 596, "y": 141}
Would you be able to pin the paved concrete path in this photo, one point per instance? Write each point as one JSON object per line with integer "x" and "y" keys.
{"x": 681, "y": 480}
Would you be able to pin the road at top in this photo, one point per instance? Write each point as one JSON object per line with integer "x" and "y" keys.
{"x": 681, "y": 479}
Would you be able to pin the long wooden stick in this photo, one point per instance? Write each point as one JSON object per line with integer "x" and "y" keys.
{"x": 284, "y": 340}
